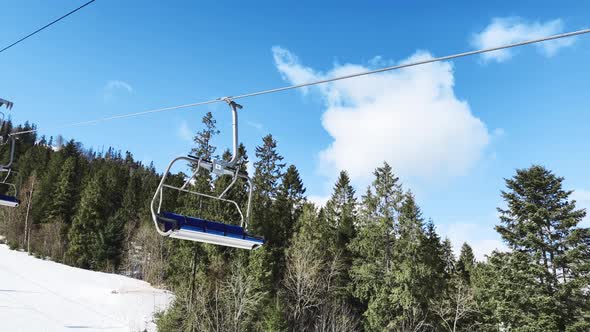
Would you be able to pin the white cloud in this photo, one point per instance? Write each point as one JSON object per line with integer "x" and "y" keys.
{"x": 508, "y": 30}
{"x": 499, "y": 132}
{"x": 410, "y": 118}
{"x": 250, "y": 168}
{"x": 112, "y": 87}
{"x": 582, "y": 198}
{"x": 290, "y": 68}
{"x": 319, "y": 201}
{"x": 256, "y": 125}
{"x": 184, "y": 132}
{"x": 482, "y": 238}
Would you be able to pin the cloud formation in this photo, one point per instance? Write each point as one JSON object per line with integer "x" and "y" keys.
{"x": 256, "y": 125}
{"x": 482, "y": 238}
{"x": 114, "y": 86}
{"x": 410, "y": 118}
{"x": 508, "y": 30}
{"x": 184, "y": 132}
{"x": 582, "y": 198}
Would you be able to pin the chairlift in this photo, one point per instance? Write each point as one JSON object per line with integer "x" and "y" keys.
{"x": 7, "y": 199}
{"x": 198, "y": 229}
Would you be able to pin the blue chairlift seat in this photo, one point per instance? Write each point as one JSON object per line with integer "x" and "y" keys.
{"x": 9, "y": 201}
{"x": 201, "y": 230}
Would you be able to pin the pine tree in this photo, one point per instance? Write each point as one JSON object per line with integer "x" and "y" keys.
{"x": 83, "y": 236}
{"x": 288, "y": 206}
{"x": 540, "y": 225}
{"x": 203, "y": 148}
{"x": 466, "y": 262}
{"x": 42, "y": 198}
{"x": 268, "y": 173}
{"x": 65, "y": 192}
{"x": 268, "y": 168}
{"x": 509, "y": 297}
{"x": 448, "y": 258}
{"x": 373, "y": 247}
{"x": 417, "y": 277}
{"x": 341, "y": 213}
{"x": 132, "y": 198}
{"x": 289, "y": 202}
{"x": 116, "y": 232}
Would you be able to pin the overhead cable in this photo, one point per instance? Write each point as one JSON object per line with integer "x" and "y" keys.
{"x": 333, "y": 79}
{"x": 46, "y": 26}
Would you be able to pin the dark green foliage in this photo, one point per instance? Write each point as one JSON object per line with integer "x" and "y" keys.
{"x": 466, "y": 262}
{"x": 203, "y": 148}
{"x": 397, "y": 269}
{"x": 509, "y": 295}
{"x": 340, "y": 214}
{"x": 289, "y": 202}
{"x": 543, "y": 284}
{"x": 85, "y": 234}
{"x": 266, "y": 220}
{"x": 63, "y": 206}
{"x": 368, "y": 264}
{"x": 46, "y": 188}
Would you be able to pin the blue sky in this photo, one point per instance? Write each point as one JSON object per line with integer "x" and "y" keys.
{"x": 452, "y": 131}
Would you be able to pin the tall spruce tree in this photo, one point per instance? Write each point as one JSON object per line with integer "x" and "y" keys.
{"x": 540, "y": 224}
{"x": 42, "y": 201}
{"x": 267, "y": 176}
{"x": 268, "y": 168}
{"x": 466, "y": 262}
{"x": 288, "y": 205}
{"x": 289, "y": 201}
{"x": 448, "y": 258}
{"x": 203, "y": 147}
{"x": 373, "y": 248}
{"x": 83, "y": 236}
{"x": 265, "y": 216}
{"x": 417, "y": 277}
{"x": 63, "y": 204}
{"x": 340, "y": 214}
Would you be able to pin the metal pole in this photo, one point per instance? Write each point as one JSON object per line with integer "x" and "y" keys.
{"x": 234, "y": 109}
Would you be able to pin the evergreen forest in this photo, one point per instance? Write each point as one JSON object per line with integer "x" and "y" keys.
{"x": 367, "y": 260}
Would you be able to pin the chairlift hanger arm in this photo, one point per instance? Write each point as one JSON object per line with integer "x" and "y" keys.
{"x": 234, "y": 109}
{"x": 12, "y": 141}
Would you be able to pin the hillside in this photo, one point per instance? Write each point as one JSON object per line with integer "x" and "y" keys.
{"x": 40, "y": 295}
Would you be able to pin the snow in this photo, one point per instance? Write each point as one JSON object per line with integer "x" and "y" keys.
{"x": 40, "y": 295}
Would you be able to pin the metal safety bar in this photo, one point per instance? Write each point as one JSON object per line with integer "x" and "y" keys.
{"x": 156, "y": 204}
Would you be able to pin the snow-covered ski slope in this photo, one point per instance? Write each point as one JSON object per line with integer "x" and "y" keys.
{"x": 38, "y": 295}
